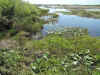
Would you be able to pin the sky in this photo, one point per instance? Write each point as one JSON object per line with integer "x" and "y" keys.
{"x": 83, "y": 2}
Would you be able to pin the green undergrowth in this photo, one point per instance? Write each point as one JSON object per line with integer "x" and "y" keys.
{"x": 53, "y": 54}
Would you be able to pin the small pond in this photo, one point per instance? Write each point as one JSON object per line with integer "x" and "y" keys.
{"x": 93, "y": 25}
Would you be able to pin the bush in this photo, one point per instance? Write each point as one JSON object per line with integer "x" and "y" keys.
{"x": 18, "y": 15}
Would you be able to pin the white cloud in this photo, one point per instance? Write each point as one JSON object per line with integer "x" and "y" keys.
{"x": 64, "y": 1}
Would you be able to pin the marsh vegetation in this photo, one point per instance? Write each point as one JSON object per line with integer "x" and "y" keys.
{"x": 84, "y": 13}
{"x": 67, "y": 51}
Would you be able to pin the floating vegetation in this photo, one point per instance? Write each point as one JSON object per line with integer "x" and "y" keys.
{"x": 68, "y": 31}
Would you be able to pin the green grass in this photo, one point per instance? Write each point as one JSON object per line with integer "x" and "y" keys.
{"x": 84, "y": 13}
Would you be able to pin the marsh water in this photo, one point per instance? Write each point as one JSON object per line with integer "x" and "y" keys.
{"x": 92, "y": 24}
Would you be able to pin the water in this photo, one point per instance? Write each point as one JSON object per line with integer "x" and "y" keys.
{"x": 54, "y": 10}
{"x": 93, "y": 25}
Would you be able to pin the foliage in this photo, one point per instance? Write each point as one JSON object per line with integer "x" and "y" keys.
{"x": 55, "y": 15}
{"x": 54, "y": 54}
{"x": 12, "y": 62}
{"x": 72, "y": 64}
{"x": 60, "y": 44}
{"x": 8, "y": 61}
{"x": 18, "y": 15}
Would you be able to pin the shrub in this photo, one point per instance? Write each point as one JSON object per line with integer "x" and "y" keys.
{"x": 18, "y": 15}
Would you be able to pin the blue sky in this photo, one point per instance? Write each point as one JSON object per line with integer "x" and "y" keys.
{"x": 64, "y": 1}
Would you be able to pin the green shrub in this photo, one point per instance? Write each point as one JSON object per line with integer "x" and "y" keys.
{"x": 9, "y": 61}
{"x": 20, "y": 16}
